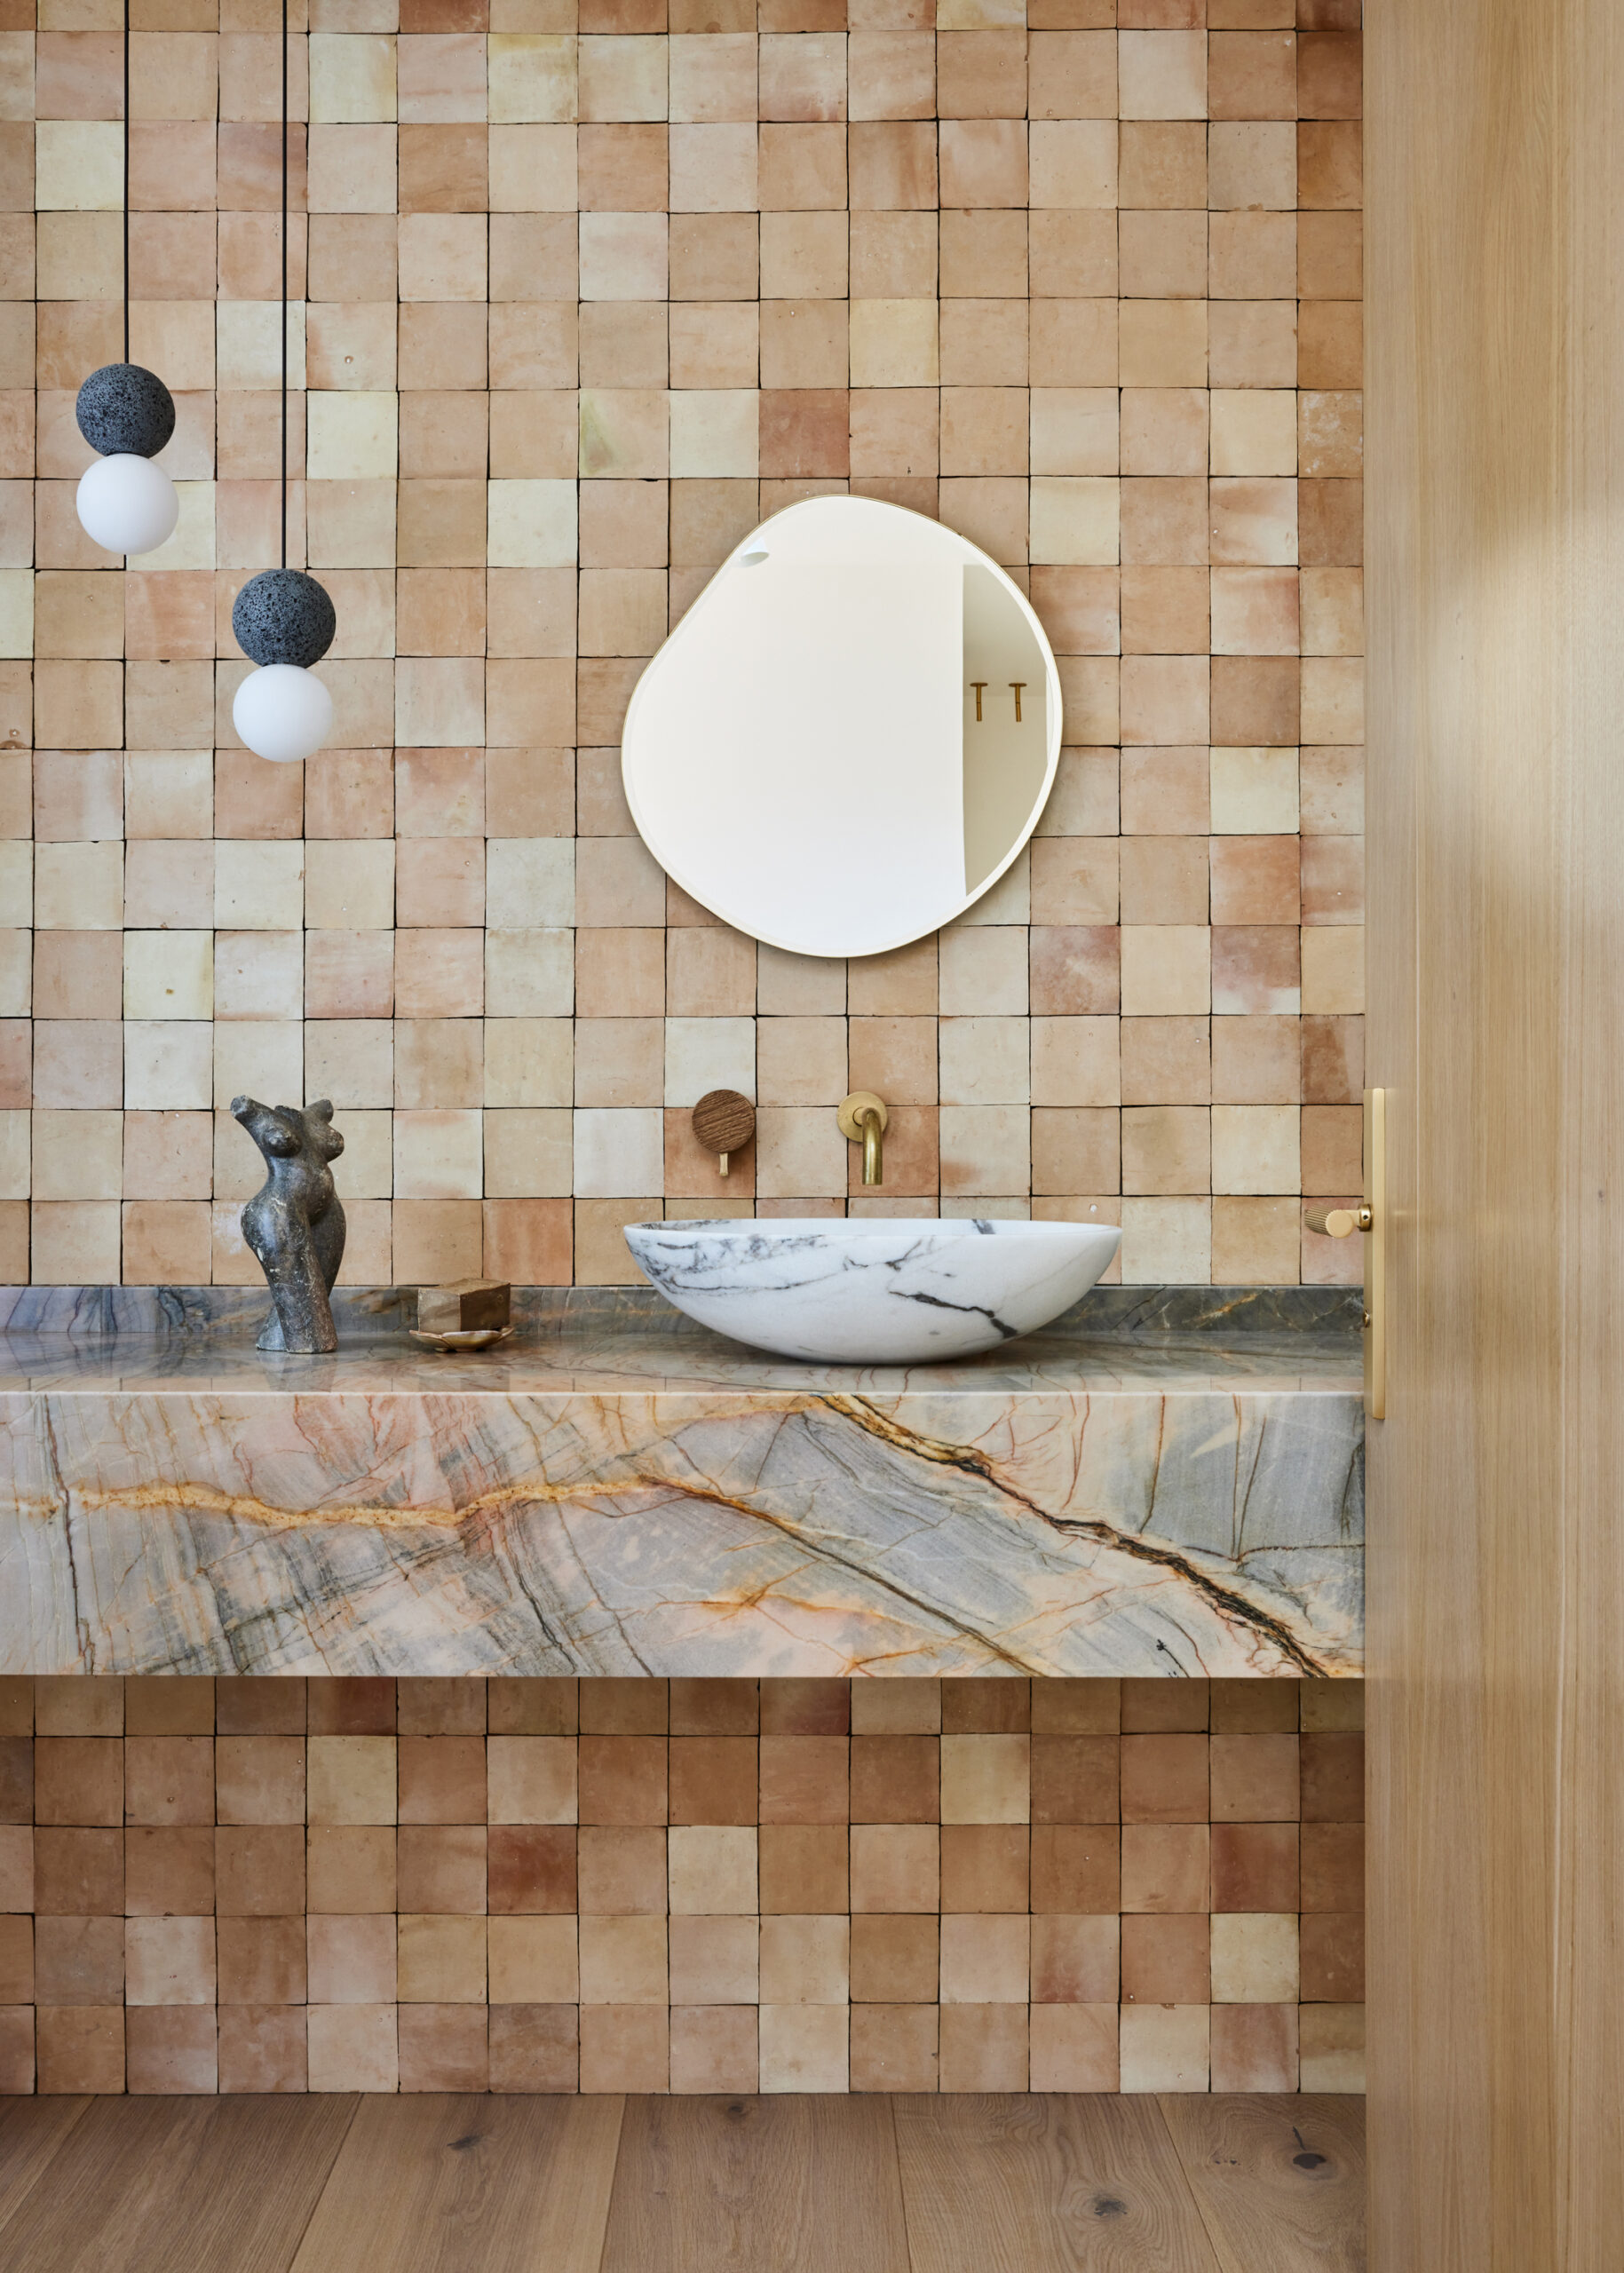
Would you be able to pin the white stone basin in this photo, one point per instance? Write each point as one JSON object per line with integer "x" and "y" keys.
{"x": 893, "y": 1290}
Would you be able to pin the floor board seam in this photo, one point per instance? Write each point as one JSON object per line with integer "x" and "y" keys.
{"x": 320, "y": 2196}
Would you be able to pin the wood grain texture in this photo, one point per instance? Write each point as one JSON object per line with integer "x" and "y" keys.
{"x": 723, "y": 1120}
{"x": 1279, "y": 2182}
{"x": 1009, "y": 2184}
{"x": 458, "y": 2181}
{"x": 1495, "y": 176}
{"x": 787, "y": 2183}
{"x": 156, "y": 2185}
{"x": 31, "y": 2132}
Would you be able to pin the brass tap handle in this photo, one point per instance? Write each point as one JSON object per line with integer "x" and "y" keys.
{"x": 863, "y": 1121}
{"x": 1339, "y": 1223}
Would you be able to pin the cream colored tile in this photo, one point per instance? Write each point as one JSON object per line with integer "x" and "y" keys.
{"x": 1165, "y": 2047}
{"x": 532, "y": 525}
{"x": 17, "y": 899}
{"x": 15, "y": 613}
{"x": 169, "y": 1066}
{"x": 713, "y": 433}
{"x": 78, "y": 887}
{"x": 262, "y": 1058}
{"x": 169, "y": 974}
{"x": 620, "y": 1153}
{"x": 712, "y": 1869}
{"x": 352, "y": 77}
{"x": 1254, "y": 1148}
{"x": 16, "y": 1167}
{"x": 1254, "y": 1959}
{"x": 260, "y": 887}
{"x": 893, "y": 343}
{"x": 77, "y": 1156}
{"x": 439, "y": 1155}
{"x": 1074, "y": 521}
{"x": 529, "y": 884}
{"x": 1167, "y": 1242}
{"x": 78, "y": 165}
{"x": 532, "y": 169}
{"x": 351, "y": 437}
{"x": 705, "y": 1054}
{"x": 248, "y": 345}
{"x": 1254, "y": 430}
{"x": 533, "y": 77}
{"x": 351, "y": 1780}
{"x": 1253, "y": 792}
{"x": 986, "y": 1779}
{"x": 349, "y": 886}
{"x": 1167, "y": 969}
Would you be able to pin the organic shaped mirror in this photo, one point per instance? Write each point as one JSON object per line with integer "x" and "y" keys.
{"x": 850, "y": 735}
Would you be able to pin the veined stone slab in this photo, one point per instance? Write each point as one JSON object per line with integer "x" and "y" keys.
{"x": 609, "y": 1495}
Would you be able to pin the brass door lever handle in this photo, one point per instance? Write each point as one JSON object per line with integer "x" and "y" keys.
{"x": 1371, "y": 1218}
{"x": 1340, "y": 1223}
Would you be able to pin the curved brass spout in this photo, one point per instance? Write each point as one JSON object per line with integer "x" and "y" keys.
{"x": 863, "y": 1118}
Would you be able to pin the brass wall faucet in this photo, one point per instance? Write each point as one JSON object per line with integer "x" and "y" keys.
{"x": 863, "y": 1118}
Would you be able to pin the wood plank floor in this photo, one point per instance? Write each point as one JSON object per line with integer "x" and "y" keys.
{"x": 778, "y": 2185}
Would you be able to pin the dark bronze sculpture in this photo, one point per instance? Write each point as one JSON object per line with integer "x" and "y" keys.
{"x": 294, "y": 1223}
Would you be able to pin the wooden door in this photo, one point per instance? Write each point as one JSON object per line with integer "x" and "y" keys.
{"x": 1495, "y": 542}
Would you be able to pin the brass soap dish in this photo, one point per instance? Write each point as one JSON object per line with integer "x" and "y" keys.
{"x": 479, "y": 1337}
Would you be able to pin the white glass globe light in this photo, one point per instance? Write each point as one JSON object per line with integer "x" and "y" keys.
{"x": 127, "y": 504}
{"x": 283, "y": 713}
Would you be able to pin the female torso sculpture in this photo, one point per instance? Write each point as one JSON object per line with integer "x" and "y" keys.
{"x": 294, "y": 1223}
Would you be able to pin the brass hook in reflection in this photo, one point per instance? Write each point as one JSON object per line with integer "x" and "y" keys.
{"x": 978, "y": 683}
{"x": 1018, "y": 684}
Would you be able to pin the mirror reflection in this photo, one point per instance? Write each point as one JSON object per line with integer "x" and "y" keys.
{"x": 851, "y": 734}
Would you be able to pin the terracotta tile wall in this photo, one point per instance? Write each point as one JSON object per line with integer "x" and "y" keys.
{"x": 588, "y": 292}
{"x": 980, "y": 1885}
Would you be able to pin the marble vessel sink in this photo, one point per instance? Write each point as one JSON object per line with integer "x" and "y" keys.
{"x": 872, "y": 1290}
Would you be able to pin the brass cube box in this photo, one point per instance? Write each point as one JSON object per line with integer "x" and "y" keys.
{"x": 466, "y": 1307}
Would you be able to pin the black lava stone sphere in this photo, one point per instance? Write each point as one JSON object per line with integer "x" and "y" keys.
{"x": 125, "y": 411}
{"x": 284, "y": 616}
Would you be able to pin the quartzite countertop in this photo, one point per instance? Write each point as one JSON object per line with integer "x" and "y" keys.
{"x": 1155, "y": 1485}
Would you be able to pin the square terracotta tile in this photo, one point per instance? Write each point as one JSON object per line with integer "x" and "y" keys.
{"x": 893, "y": 2047}
{"x": 259, "y": 1871}
{"x": 984, "y": 2048}
{"x": 531, "y": 1869}
{"x": 803, "y": 1867}
{"x": 169, "y": 1872}
{"x": 262, "y": 2048}
{"x": 624, "y": 1780}
{"x": 896, "y": 1779}
{"x": 171, "y": 2048}
{"x": 804, "y": 1778}
{"x": 534, "y": 2047}
{"x": 714, "y": 2048}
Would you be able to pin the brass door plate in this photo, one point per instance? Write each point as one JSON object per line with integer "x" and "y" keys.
{"x": 1376, "y": 1254}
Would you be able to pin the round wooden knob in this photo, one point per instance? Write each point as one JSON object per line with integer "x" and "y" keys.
{"x": 723, "y": 1122}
